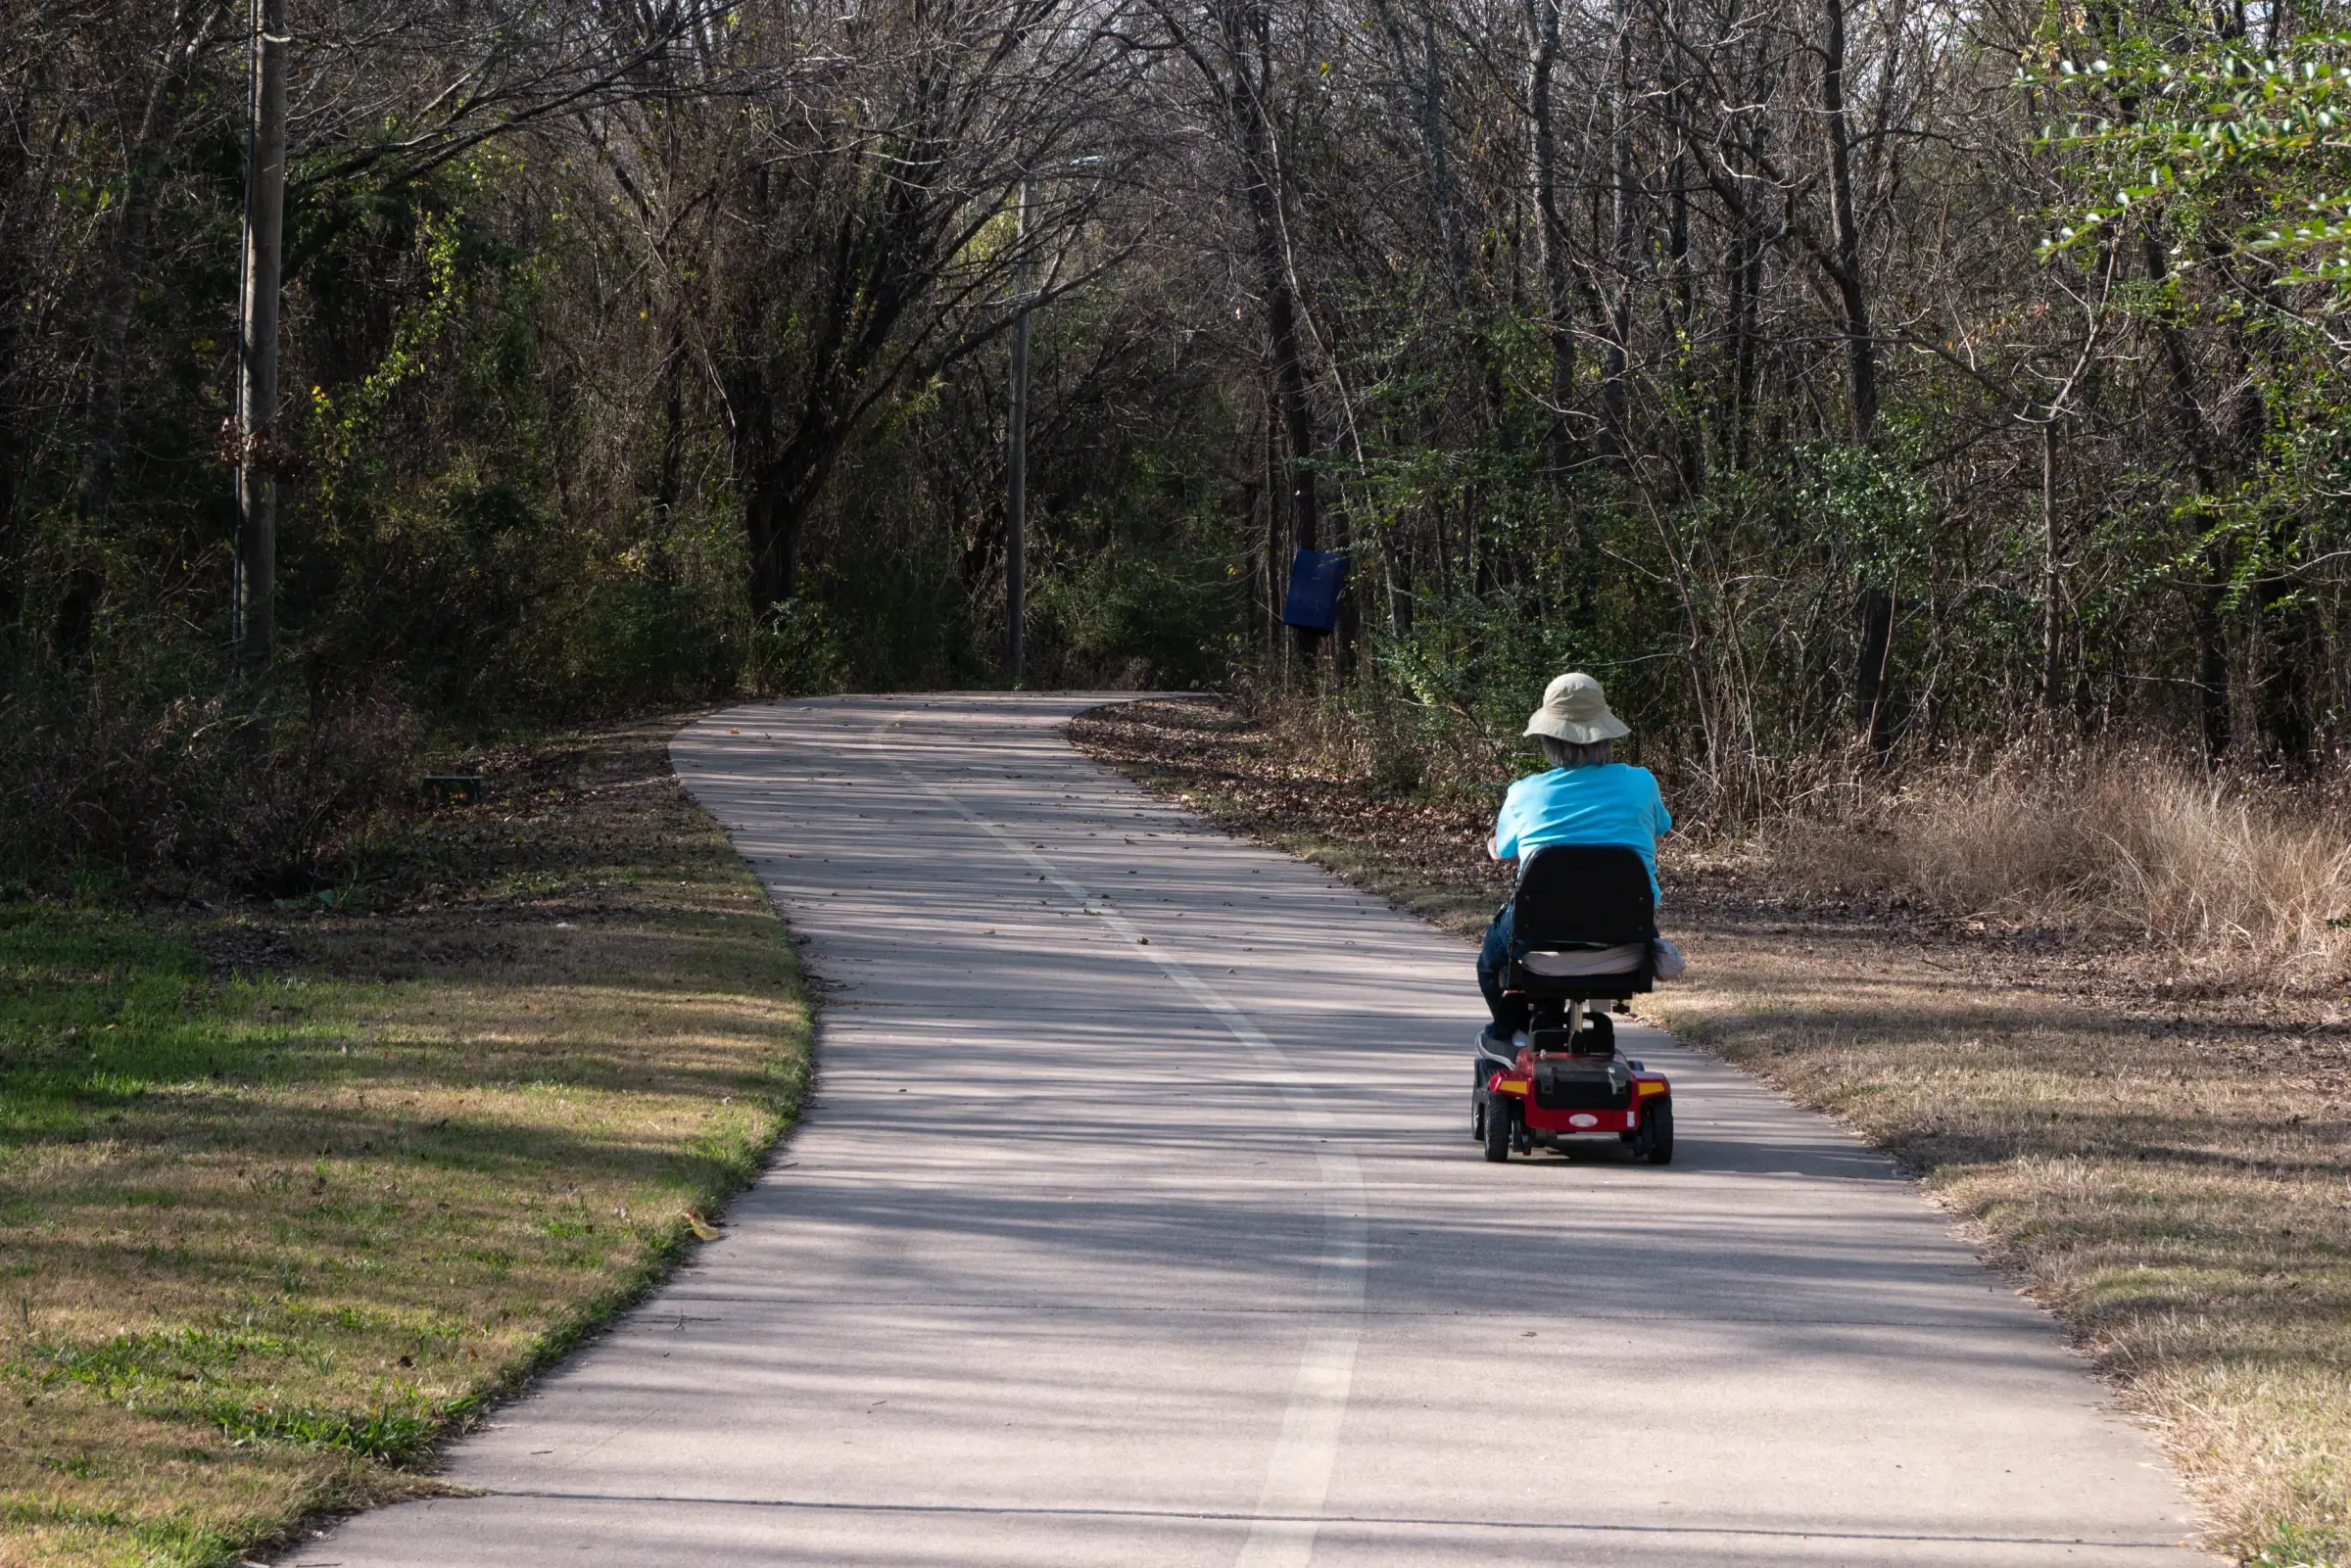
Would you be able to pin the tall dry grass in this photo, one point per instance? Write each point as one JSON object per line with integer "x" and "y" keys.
{"x": 2234, "y": 876}
{"x": 2238, "y": 876}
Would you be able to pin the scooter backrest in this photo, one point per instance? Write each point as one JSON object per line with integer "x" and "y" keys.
{"x": 1583, "y": 895}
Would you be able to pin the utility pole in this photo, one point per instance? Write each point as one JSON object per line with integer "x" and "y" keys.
{"x": 257, "y": 342}
{"x": 1016, "y": 460}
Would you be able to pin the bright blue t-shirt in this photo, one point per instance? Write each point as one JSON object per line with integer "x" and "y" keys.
{"x": 1600, "y": 803}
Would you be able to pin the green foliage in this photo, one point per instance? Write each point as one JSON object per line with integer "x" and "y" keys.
{"x": 343, "y": 431}
{"x": 1480, "y": 660}
{"x": 2232, "y": 145}
{"x": 796, "y": 651}
{"x": 1863, "y": 505}
{"x": 1128, "y": 617}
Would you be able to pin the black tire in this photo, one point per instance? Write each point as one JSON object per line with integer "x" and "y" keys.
{"x": 1654, "y": 1142}
{"x": 1497, "y": 1128}
{"x": 1477, "y": 1115}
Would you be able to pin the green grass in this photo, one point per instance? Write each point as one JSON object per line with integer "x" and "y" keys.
{"x": 2294, "y": 1548}
{"x": 287, "y": 1195}
{"x": 95, "y": 1014}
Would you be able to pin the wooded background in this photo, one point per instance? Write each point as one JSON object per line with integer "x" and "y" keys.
{"x": 1853, "y": 378}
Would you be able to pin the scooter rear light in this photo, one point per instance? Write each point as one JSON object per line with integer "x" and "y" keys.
{"x": 1649, "y": 1088}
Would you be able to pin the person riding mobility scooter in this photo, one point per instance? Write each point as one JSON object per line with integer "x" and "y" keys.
{"x": 1585, "y": 928}
{"x": 1580, "y": 929}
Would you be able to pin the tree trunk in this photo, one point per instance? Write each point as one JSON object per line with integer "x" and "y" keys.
{"x": 669, "y": 475}
{"x": 1427, "y": 82}
{"x": 2212, "y": 651}
{"x": 776, "y": 513}
{"x": 1873, "y": 695}
{"x": 1276, "y": 558}
{"x": 1874, "y": 682}
{"x": 257, "y": 347}
{"x": 1551, "y": 233}
{"x": 1747, "y": 287}
{"x": 12, "y": 541}
{"x": 1297, "y": 411}
{"x": 2288, "y": 734}
{"x": 1015, "y": 503}
{"x": 193, "y": 22}
{"x": 1690, "y": 469}
{"x": 2281, "y": 713}
{"x": 2212, "y": 670}
{"x": 1614, "y": 413}
{"x": 1747, "y": 248}
{"x": 2052, "y": 674}
{"x": 15, "y": 541}
{"x": 1860, "y": 342}
{"x": 1281, "y": 307}
{"x": 1399, "y": 570}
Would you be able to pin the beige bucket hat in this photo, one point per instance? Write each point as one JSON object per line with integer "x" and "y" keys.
{"x": 1576, "y": 710}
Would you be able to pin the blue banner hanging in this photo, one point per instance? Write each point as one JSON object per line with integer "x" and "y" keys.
{"x": 1315, "y": 578}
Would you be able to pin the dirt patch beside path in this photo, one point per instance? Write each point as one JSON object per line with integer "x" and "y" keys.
{"x": 2173, "y": 1177}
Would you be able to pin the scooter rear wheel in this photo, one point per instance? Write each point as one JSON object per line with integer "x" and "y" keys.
{"x": 1497, "y": 1128}
{"x": 1654, "y": 1142}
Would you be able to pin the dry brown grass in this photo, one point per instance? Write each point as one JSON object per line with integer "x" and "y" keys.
{"x": 2238, "y": 880}
{"x": 2167, "y": 1165}
{"x": 270, "y": 1225}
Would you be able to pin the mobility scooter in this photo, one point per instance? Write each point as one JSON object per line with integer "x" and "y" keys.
{"x": 1584, "y": 920}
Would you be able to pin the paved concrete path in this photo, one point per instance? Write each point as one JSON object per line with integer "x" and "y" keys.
{"x": 1135, "y": 1220}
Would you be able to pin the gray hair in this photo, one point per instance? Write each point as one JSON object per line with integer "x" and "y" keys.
{"x": 1567, "y": 754}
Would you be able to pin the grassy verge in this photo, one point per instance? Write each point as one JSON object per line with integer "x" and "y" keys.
{"x": 2170, "y": 1173}
{"x": 284, "y": 1199}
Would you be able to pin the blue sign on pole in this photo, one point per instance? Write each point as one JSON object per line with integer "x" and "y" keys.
{"x": 1315, "y": 578}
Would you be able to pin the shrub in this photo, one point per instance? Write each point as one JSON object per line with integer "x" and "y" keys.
{"x": 797, "y": 652}
{"x": 249, "y": 791}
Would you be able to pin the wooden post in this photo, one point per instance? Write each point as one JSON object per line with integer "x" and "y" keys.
{"x": 1016, "y": 467}
{"x": 257, "y": 346}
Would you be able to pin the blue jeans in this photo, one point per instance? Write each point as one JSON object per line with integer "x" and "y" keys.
{"x": 1493, "y": 966}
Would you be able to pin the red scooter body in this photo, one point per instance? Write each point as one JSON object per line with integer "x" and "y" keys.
{"x": 1551, "y": 1096}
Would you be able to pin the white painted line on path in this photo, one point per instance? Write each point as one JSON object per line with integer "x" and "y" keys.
{"x": 1298, "y": 1476}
